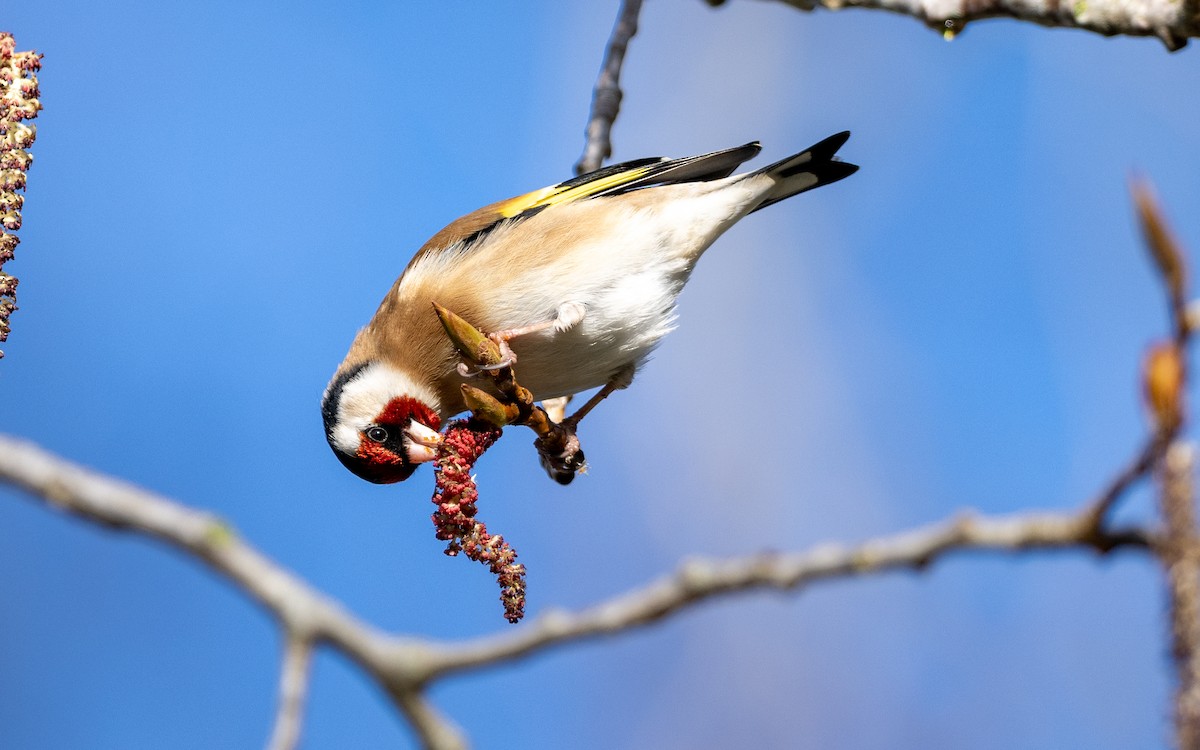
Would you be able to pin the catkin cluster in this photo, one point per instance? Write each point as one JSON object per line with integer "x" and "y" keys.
{"x": 18, "y": 103}
{"x": 464, "y": 442}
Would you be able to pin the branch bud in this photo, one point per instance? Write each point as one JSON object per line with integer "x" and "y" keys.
{"x": 469, "y": 340}
{"x": 487, "y": 407}
{"x": 1163, "y": 374}
{"x": 1161, "y": 243}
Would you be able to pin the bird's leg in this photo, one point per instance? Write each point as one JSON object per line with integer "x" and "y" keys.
{"x": 567, "y": 316}
{"x": 619, "y": 382}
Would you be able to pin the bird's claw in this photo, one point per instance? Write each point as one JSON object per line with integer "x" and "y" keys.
{"x": 506, "y": 362}
{"x": 508, "y": 358}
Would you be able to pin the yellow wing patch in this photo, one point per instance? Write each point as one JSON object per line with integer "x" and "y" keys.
{"x": 565, "y": 193}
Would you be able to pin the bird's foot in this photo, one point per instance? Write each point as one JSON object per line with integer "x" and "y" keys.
{"x": 558, "y": 448}
{"x": 560, "y": 454}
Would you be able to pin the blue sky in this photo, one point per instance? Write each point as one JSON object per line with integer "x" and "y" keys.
{"x": 223, "y": 192}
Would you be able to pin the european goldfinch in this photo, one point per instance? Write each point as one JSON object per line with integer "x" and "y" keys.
{"x": 582, "y": 275}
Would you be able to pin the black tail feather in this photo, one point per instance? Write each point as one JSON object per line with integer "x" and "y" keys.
{"x": 815, "y": 166}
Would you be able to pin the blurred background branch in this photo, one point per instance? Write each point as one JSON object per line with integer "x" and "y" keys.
{"x": 1165, "y": 374}
{"x": 606, "y": 96}
{"x": 1180, "y": 555}
{"x": 1172, "y": 22}
{"x": 405, "y": 666}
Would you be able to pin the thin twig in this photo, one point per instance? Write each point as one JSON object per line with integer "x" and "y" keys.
{"x": 293, "y": 691}
{"x": 1172, "y": 21}
{"x": 606, "y": 97}
{"x": 1141, "y": 465}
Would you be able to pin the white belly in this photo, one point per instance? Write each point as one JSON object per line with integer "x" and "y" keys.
{"x": 622, "y": 323}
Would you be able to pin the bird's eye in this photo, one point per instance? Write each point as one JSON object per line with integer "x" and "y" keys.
{"x": 378, "y": 434}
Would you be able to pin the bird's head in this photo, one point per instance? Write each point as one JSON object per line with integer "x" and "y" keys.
{"x": 380, "y": 423}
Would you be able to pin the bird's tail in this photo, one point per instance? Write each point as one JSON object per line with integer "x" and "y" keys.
{"x": 815, "y": 166}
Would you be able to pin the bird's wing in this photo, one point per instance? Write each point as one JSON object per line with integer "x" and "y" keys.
{"x": 611, "y": 180}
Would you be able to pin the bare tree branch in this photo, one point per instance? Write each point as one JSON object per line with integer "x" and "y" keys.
{"x": 434, "y": 730}
{"x": 1165, "y": 379}
{"x": 120, "y": 505}
{"x": 305, "y": 614}
{"x": 1180, "y": 553}
{"x": 405, "y": 666}
{"x": 698, "y": 580}
{"x": 1172, "y": 21}
{"x": 293, "y": 691}
{"x": 606, "y": 97}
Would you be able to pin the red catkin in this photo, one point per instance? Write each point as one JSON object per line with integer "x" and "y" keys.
{"x": 464, "y": 441}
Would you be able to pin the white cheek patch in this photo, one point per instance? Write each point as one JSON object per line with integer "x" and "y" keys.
{"x": 365, "y": 396}
{"x": 345, "y": 439}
